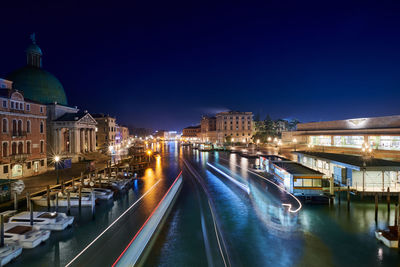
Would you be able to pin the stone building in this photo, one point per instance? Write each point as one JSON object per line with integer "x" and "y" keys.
{"x": 191, "y": 133}
{"x": 234, "y": 125}
{"x": 122, "y": 135}
{"x": 22, "y": 135}
{"x": 106, "y": 132}
{"x": 70, "y": 133}
{"x": 208, "y": 129}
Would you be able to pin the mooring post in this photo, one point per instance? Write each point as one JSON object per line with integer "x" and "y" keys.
{"x": 57, "y": 202}
{"x": 48, "y": 197}
{"x": 376, "y": 207}
{"x": 1, "y": 231}
{"x": 68, "y": 203}
{"x": 31, "y": 210}
{"x": 80, "y": 197}
{"x": 15, "y": 201}
{"x": 62, "y": 187}
{"x": 27, "y": 201}
{"x": 348, "y": 196}
{"x": 395, "y": 215}
{"x": 388, "y": 199}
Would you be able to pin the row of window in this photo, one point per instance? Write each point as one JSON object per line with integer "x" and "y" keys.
{"x": 237, "y": 117}
{"x": 237, "y": 122}
{"x": 237, "y": 128}
{"x": 238, "y": 134}
{"x": 19, "y": 105}
{"x": 17, "y": 127}
{"x": 18, "y": 148}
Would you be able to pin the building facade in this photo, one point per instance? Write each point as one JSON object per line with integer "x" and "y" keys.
{"x": 234, "y": 126}
{"x": 71, "y": 133}
{"x": 23, "y": 134}
{"x": 106, "y": 132}
{"x": 122, "y": 135}
{"x": 191, "y": 133}
{"x": 381, "y": 134}
{"x": 208, "y": 129}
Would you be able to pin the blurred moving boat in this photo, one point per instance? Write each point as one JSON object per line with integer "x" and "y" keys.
{"x": 63, "y": 200}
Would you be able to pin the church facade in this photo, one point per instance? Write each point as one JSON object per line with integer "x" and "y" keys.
{"x": 70, "y": 132}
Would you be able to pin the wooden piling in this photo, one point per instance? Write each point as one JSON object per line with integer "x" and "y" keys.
{"x": 15, "y": 201}
{"x": 80, "y": 197}
{"x": 1, "y": 231}
{"x": 348, "y": 196}
{"x": 376, "y": 207}
{"x": 27, "y": 201}
{"x": 57, "y": 202}
{"x": 31, "y": 211}
{"x": 48, "y": 197}
{"x": 62, "y": 187}
{"x": 388, "y": 199}
{"x": 68, "y": 203}
{"x": 395, "y": 215}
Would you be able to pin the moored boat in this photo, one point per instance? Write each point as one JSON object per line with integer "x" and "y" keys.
{"x": 55, "y": 221}
{"x": 24, "y": 235}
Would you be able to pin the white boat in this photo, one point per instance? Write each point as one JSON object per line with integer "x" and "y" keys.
{"x": 55, "y": 221}
{"x": 8, "y": 253}
{"x": 100, "y": 193}
{"x": 386, "y": 239}
{"x": 63, "y": 200}
{"x": 24, "y": 235}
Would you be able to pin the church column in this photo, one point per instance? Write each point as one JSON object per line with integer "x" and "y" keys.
{"x": 77, "y": 143}
{"x": 71, "y": 140}
{"x": 93, "y": 135}
{"x": 89, "y": 140}
{"x": 59, "y": 141}
{"x": 55, "y": 138}
{"x": 82, "y": 140}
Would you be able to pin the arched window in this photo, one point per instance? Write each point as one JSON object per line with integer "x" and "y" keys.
{"x": 5, "y": 149}
{"x": 14, "y": 148}
{"x": 41, "y": 146}
{"x": 20, "y": 148}
{"x": 28, "y": 126}
{"x": 19, "y": 127}
{"x": 28, "y": 147}
{"x": 5, "y": 125}
{"x": 14, "y": 127}
{"x": 41, "y": 127}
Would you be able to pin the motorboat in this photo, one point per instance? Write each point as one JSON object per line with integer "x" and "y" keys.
{"x": 8, "y": 253}
{"x": 100, "y": 193}
{"x": 86, "y": 200}
{"x": 24, "y": 235}
{"x": 55, "y": 221}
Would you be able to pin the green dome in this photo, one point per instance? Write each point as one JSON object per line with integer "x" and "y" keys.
{"x": 38, "y": 85}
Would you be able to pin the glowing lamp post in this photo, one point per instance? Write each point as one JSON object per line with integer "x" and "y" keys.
{"x": 149, "y": 153}
{"x": 279, "y": 145}
{"x": 294, "y": 143}
{"x": 57, "y": 160}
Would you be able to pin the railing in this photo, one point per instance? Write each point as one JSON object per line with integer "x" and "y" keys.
{"x": 376, "y": 187}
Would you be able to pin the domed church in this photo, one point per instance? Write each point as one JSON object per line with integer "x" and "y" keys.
{"x": 70, "y": 132}
{"x": 36, "y": 83}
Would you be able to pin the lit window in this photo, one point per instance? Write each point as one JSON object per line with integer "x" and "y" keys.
{"x": 28, "y": 107}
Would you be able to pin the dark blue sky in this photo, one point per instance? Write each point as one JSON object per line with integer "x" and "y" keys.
{"x": 162, "y": 64}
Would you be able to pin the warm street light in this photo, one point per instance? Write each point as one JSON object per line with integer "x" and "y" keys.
{"x": 149, "y": 153}
{"x": 294, "y": 142}
{"x": 258, "y": 141}
{"x": 269, "y": 139}
{"x": 57, "y": 160}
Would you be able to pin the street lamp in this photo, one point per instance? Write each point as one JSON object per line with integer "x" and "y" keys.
{"x": 269, "y": 139}
{"x": 294, "y": 142}
{"x": 149, "y": 153}
{"x": 57, "y": 160}
{"x": 279, "y": 145}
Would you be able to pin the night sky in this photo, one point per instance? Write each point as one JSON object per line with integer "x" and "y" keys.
{"x": 162, "y": 64}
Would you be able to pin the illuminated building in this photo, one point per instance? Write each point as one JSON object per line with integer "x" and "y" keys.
{"x": 23, "y": 134}
{"x": 106, "y": 132}
{"x": 382, "y": 134}
{"x": 192, "y": 133}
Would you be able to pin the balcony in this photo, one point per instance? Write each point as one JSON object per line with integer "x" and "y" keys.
{"x": 19, "y": 157}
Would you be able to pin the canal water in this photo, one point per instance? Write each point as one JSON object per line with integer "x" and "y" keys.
{"x": 258, "y": 230}
{"x": 215, "y": 222}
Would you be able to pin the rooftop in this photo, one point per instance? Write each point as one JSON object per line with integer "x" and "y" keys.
{"x": 71, "y": 116}
{"x": 352, "y": 159}
{"x": 296, "y": 168}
